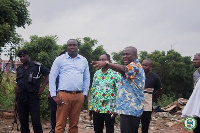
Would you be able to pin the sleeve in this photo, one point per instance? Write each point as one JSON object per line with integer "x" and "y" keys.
{"x": 117, "y": 81}
{"x": 133, "y": 69}
{"x": 92, "y": 90}
{"x": 157, "y": 83}
{"x": 86, "y": 79}
{"x": 52, "y": 77}
{"x": 44, "y": 71}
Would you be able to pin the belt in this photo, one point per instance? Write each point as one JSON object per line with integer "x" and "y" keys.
{"x": 71, "y": 92}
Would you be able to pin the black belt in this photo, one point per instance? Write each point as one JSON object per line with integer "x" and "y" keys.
{"x": 71, "y": 92}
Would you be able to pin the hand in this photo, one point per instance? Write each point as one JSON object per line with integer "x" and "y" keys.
{"x": 114, "y": 114}
{"x": 58, "y": 100}
{"x": 98, "y": 64}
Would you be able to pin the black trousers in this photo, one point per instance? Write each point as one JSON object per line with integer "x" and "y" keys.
{"x": 197, "y": 129}
{"x": 145, "y": 120}
{"x": 29, "y": 103}
{"x": 129, "y": 123}
{"x": 53, "y": 112}
{"x": 98, "y": 121}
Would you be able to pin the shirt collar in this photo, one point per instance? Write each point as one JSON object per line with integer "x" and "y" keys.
{"x": 30, "y": 64}
{"x": 108, "y": 71}
{"x": 67, "y": 55}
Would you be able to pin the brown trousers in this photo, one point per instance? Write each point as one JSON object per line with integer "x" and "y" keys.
{"x": 71, "y": 109}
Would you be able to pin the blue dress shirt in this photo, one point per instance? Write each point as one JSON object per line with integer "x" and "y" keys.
{"x": 73, "y": 74}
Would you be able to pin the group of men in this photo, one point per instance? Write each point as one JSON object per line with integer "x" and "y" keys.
{"x": 127, "y": 90}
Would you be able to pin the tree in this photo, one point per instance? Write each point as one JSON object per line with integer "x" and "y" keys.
{"x": 13, "y": 14}
{"x": 174, "y": 70}
{"x": 118, "y": 57}
{"x": 43, "y": 49}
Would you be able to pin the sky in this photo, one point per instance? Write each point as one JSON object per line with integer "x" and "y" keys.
{"x": 148, "y": 25}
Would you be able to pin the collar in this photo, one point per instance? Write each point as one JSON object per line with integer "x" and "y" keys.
{"x": 30, "y": 64}
{"x": 67, "y": 55}
{"x": 108, "y": 71}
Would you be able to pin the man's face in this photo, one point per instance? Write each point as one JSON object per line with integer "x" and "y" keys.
{"x": 146, "y": 65}
{"x": 196, "y": 61}
{"x": 103, "y": 58}
{"x": 24, "y": 58}
{"x": 72, "y": 47}
{"x": 128, "y": 56}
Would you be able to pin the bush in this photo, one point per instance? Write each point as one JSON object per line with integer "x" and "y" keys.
{"x": 7, "y": 91}
{"x": 44, "y": 105}
{"x": 165, "y": 100}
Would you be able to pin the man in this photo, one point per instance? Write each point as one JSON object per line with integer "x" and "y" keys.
{"x": 103, "y": 97}
{"x": 74, "y": 80}
{"x": 196, "y": 61}
{"x": 54, "y": 105}
{"x": 130, "y": 97}
{"x": 192, "y": 107}
{"x": 28, "y": 91}
{"x": 151, "y": 92}
{"x": 196, "y": 75}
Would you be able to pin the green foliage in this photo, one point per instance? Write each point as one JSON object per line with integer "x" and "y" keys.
{"x": 7, "y": 91}
{"x": 174, "y": 70}
{"x": 43, "y": 49}
{"x": 117, "y": 57}
{"x": 13, "y": 14}
{"x": 165, "y": 100}
{"x": 44, "y": 105}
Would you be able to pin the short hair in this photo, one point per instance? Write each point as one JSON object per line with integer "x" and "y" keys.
{"x": 197, "y": 54}
{"x": 149, "y": 61}
{"x": 134, "y": 50}
{"x": 107, "y": 56}
{"x": 72, "y": 40}
{"x": 22, "y": 52}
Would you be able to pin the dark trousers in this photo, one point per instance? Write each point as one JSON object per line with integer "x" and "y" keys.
{"x": 53, "y": 112}
{"x": 129, "y": 123}
{"x": 98, "y": 121}
{"x": 29, "y": 103}
{"x": 145, "y": 120}
{"x": 197, "y": 129}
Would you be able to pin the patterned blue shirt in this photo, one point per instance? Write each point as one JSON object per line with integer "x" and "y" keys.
{"x": 130, "y": 96}
{"x": 73, "y": 74}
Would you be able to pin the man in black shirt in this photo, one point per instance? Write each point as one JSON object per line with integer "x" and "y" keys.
{"x": 151, "y": 92}
{"x": 28, "y": 91}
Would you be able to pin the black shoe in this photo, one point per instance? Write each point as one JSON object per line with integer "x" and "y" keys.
{"x": 52, "y": 131}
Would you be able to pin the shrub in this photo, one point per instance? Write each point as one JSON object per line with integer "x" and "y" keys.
{"x": 165, "y": 100}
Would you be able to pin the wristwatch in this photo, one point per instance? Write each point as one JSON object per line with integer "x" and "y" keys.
{"x": 107, "y": 62}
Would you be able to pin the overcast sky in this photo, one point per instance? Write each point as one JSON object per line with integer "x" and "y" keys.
{"x": 146, "y": 24}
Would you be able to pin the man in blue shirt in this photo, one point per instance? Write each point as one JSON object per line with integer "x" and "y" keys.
{"x": 130, "y": 96}
{"x": 74, "y": 80}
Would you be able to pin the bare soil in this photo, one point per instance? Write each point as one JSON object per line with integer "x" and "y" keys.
{"x": 171, "y": 124}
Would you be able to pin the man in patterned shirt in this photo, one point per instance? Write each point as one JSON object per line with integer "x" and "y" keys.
{"x": 103, "y": 97}
{"x": 130, "y": 97}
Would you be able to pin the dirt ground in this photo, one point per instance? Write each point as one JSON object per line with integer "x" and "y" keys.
{"x": 171, "y": 124}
